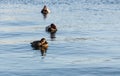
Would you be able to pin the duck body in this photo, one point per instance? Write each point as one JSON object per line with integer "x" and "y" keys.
{"x": 45, "y": 10}
{"x": 35, "y": 44}
{"x": 51, "y": 28}
{"x": 40, "y": 45}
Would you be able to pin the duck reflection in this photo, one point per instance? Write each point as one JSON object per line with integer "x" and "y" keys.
{"x": 41, "y": 45}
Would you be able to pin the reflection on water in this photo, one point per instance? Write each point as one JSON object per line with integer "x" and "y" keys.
{"x": 44, "y": 16}
{"x": 52, "y": 36}
{"x": 87, "y": 42}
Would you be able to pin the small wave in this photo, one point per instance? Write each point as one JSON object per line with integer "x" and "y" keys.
{"x": 78, "y": 39}
{"x": 79, "y": 60}
{"x": 4, "y": 42}
{"x": 17, "y": 28}
{"x": 37, "y": 2}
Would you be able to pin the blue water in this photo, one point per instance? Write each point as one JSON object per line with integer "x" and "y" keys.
{"x": 87, "y": 42}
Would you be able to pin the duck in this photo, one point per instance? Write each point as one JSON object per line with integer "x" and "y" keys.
{"x": 40, "y": 45}
{"x": 45, "y": 10}
{"x": 51, "y": 28}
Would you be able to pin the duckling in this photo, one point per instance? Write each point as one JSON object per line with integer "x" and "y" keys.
{"x": 45, "y": 10}
{"x": 39, "y": 44}
{"x": 51, "y": 28}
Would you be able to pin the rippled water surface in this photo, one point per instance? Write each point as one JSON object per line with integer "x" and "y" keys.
{"x": 87, "y": 42}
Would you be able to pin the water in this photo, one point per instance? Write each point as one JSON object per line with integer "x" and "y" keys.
{"x": 87, "y": 41}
